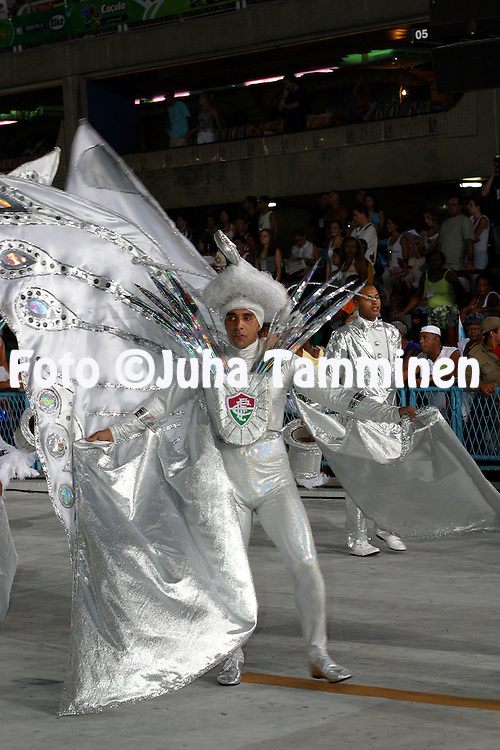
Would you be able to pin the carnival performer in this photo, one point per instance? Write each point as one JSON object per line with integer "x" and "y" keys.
{"x": 247, "y": 425}
{"x": 367, "y": 337}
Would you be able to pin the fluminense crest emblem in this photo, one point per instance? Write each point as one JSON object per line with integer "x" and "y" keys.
{"x": 240, "y": 407}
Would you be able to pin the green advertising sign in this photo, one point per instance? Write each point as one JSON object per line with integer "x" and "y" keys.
{"x": 84, "y": 17}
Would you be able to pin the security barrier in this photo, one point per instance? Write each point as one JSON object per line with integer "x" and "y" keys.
{"x": 12, "y": 407}
{"x": 473, "y": 417}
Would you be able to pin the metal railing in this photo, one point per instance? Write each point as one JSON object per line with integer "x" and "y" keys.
{"x": 473, "y": 417}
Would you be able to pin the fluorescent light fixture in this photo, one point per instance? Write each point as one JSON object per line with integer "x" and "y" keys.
{"x": 180, "y": 94}
{"x": 319, "y": 70}
{"x": 272, "y": 205}
{"x": 471, "y": 184}
{"x": 159, "y": 98}
{"x": 137, "y": 102}
{"x": 8, "y": 122}
{"x": 263, "y": 80}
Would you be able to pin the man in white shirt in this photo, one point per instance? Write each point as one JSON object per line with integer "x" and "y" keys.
{"x": 364, "y": 230}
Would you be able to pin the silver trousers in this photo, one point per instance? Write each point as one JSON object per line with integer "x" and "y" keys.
{"x": 264, "y": 485}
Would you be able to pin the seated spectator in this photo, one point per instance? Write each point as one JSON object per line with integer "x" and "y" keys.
{"x": 441, "y": 289}
{"x": 481, "y": 227}
{"x": 337, "y": 235}
{"x": 474, "y": 333}
{"x": 267, "y": 218}
{"x": 487, "y": 301}
{"x": 269, "y": 257}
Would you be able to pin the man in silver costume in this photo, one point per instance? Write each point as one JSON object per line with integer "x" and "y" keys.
{"x": 258, "y": 466}
{"x": 367, "y": 337}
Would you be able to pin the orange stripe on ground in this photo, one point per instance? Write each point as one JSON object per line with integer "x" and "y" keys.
{"x": 371, "y": 692}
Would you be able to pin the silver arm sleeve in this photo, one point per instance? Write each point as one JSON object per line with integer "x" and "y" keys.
{"x": 352, "y": 403}
{"x": 151, "y": 413}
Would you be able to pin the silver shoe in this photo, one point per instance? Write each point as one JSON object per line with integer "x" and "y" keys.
{"x": 323, "y": 667}
{"x": 230, "y": 673}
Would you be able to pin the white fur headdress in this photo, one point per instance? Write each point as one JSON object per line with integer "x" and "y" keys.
{"x": 241, "y": 281}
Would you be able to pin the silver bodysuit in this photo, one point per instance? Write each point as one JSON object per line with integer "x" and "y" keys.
{"x": 264, "y": 484}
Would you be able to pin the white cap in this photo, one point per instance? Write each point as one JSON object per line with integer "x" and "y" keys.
{"x": 242, "y": 303}
{"x": 431, "y": 329}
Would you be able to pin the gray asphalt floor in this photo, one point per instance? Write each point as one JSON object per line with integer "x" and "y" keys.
{"x": 419, "y": 630}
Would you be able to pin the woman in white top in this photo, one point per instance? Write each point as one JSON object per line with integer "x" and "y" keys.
{"x": 267, "y": 218}
{"x": 481, "y": 226}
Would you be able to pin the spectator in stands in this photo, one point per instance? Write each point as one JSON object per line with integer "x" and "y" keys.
{"x": 249, "y": 205}
{"x": 178, "y": 120}
{"x": 208, "y": 121}
{"x": 352, "y": 261}
{"x": 481, "y": 226}
{"x": 4, "y": 366}
{"x": 491, "y": 191}
{"x": 240, "y": 227}
{"x": 375, "y": 215}
{"x": 305, "y": 250}
{"x": 397, "y": 254}
{"x": 442, "y": 290}
{"x": 226, "y": 224}
{"x": 269, "y": 258}
{"x": 211, "y": 224}
{"x": 474, "y": 333}
{"x": 433, "y": 350}
{"x": 293, "y": 105}
{"x": 267, "y": 218}
{"x": 484, "y": 353}
{"x": 337, "y": 235}
{"x": 430, "y": 232}
{"x": 364, "y": 230}
{"x": 243, "y": 249}
{"x": 456, "y": 239}
{"x": 318, "y": 221}
{"x": 337, "y": 210}
{"x": 487, "y": 301}
{"x": 182, "y": 226}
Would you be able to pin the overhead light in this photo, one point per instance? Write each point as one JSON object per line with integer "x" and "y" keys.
{"x": 272, "y": 205}
{"x": 471, "y": 184}
{"x": 159, "y": 98}
{"x": 8, "y": 122}
{"x": 180, "y": 94}
{"x": 404, "y": 92}
{"x": 263, "y": 80}
{"x": 319, "y": 70}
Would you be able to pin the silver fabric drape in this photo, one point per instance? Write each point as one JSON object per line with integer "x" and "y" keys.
{"x": 420, "y": 484}
{"x": 8, "y": 560}
{"x": 162, "y": 586}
